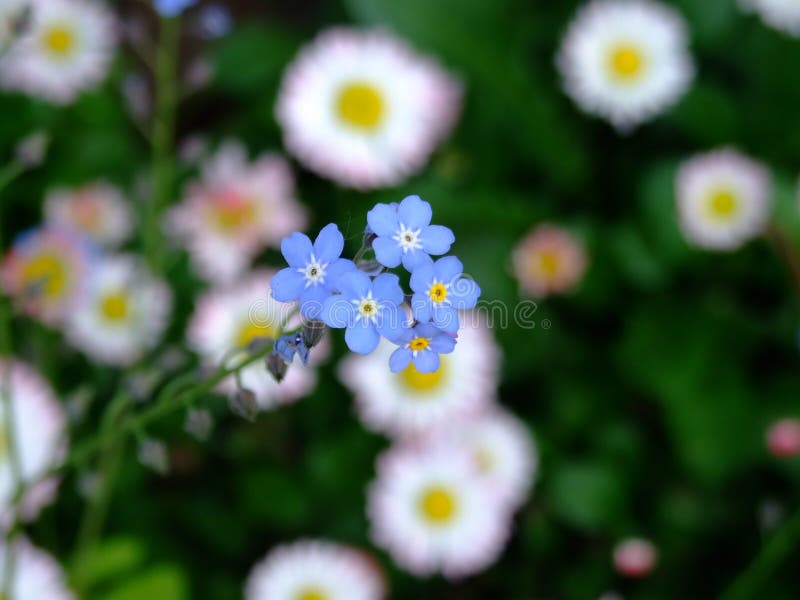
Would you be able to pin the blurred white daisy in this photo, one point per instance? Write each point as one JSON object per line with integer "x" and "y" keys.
{"x": 235, "y": 211}
{"x": 315, "y": 570}
{"x": 626, "y": 60}
{"x": 430, "y": 511}
{"x": 783, "y": 15}
{"x": 365, "y": 109}
{"x": 46, "y": 271}
{"x": 123, "y": 314}
{"x": 549, "y": 260}
{"x": 502, "y": 451}
{"x": 237, "y": 316}
{"x": 67, "y": 48}
{"x": 97, "y": 210}
{"x": 409, "y": 402}
{"x": 723, "y": 199}
{"x": 37, "y": 575}
{"x": 39, "y": 439}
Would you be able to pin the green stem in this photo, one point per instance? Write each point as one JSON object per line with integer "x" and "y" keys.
{"x": 787, "y": 252}
{"x": 163, "y": 138}
{"x": 10, "y": 172}
{"x": 749, "y": 583}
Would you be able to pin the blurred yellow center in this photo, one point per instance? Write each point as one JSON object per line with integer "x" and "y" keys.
{"x": 723, "y": 204}
{"x": 419, "y": 343}
{"x": 252, "y": 331}
{"x": 232, "y": 216}
{"x": 115, "y": 306}
{"x": 422, "y": 382}
{"x": 626, "y": 61}
{"x": 59, "y": 40}
{"x": 437, "y": 504}
{"x": 360, "y": 105}
{"x": 368, "y": 308}
{"x": 438, "y": 292}
{"x": 310, "y": 594}
{"x": 549, "y": 262}
{"x": 44, "y": 274}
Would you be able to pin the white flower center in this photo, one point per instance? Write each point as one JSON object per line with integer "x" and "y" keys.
{"x": 314, "y": 272}
{"x": 367, "y": 308}
{"x": 408, "y": 239}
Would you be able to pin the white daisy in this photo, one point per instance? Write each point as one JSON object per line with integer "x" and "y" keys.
{"x": 123, "y": 315}
{"x": 47, "y": 271}
{"x": 723, "y": 199}
{"x": 97, "y": 210}
{"x": 67, "y": 48}
{"x": 39, "y": 439}
{"x": 37, "y": 575}
{"x": 235, "y": 211}
{"x": 783, "y": 15}
{"x": 428, "y": 509}
{"x": 315, "y": 570}
{"x": 236, "y": 316}
{"x": 502, "y": 450}
{"x": 410, "y": 402}
{"x": 365, "y": 109}
{"x": 626, "y": 60}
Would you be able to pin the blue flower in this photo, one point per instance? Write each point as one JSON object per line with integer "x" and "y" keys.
{"x": 287, "y": 346}
{"x": 313, "y": 271}
{"x": 440, "y": 292}
{"x": 172, "y": 8}
{"x": 405, "y": 233}
{"x": 367, "y": 308}
{"x": 421, "y": 345}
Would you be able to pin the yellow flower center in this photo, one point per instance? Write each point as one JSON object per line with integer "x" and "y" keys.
{"x": 418, "y": 382}
{"x": 626, "y": 62}
{"x": 438, "y": 292}
{"x": 438, "y": 505}
{"x": 419, "y": 343}
{"x": 115, "y": 306}
{"x": 313, "y": 593}
{"x": 361, "y": 105}
{"x": 44, "y": 274}
{"x": 232, "y": 214}
{"x": 723, "y": 205}
{"x": 59, "y": 40}
{"x": 549, "y": 262}
{"x": 368, "y": 308}
{"x": 251, "y": 331}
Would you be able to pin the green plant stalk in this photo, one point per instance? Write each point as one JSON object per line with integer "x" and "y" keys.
{"x": 750, "y": 582}
{"x": 163, "y": 139}
{"x": 787, "y": 252}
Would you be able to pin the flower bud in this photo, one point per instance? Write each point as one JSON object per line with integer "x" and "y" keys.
{"x": 153, "y": 455}
{"x": 199, "y": 424}
{"x": 243, "y": 404}
{"x": 783, "y": 438}
{"x": 635, "y": 557}
{"x": 313, "y": 331}
{"x": 31, "y": 151}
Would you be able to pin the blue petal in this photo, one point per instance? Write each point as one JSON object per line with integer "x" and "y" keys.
{"x": 421, "y": 307}
{"x": 387, "y": 251}
{"x": 382, "y": 219}
{"x": 296, "y": 249}
{"x": 337, "y": 312}
{"x": 355, "y": 285}
{"x": 426, "y": 330}
{"x": 387, "y": 287}
{"x": 362, "y": 337}
{"x": 422, "y": 277}
{"x": 427, "y": 362}
{"x": 399, "y": 359}
{"x": 415, "y": 259}
{"x": 464, "y": 293}
{"x": 443, "y": 343}
{"x": 446, "y": 318}
{"x": 312, "y": 299}
{"x": 414, "y": 212}
{"x": 335, "y": 271}
{"x": 391, "y": 323}
{"x": 329, "y": 244}
{"x": 287, "y": 285}
{"x": 448, "y": 269}
{"x": 437, "y": 239}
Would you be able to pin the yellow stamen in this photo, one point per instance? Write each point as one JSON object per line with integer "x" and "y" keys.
{"x": 723, "y": 205}
{"x": 438, "y": 292}
{"x": 626, "y": 62}
{"x": 438, "y": 505}
{"x": 252, "y": 331}
{"x": 59, "y": 40}
{"x": 46, "y": 274}
{"x": 549, "y": 262}
{"x": 418, "y": 382}
{"x": 419, "y": 343}
{"x": 361, "y": 105}
{"x": 368, "y": 308}
{"x": 312, "y": 594}
{"x": 115, "y": 306}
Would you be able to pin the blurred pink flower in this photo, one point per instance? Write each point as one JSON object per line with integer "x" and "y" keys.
{"x": 549, "y": 260}
{"x": 635, "y": 557}
{"x": 97, "y": 210}
{"x": 783, "y": 438}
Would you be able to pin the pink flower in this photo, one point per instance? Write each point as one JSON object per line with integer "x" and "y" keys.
{"x": 783, "y": 438}
{"x": 635, "y": 557}
{"x": 549, "y": 260}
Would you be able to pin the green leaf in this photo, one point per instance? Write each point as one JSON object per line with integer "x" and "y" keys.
{"x": 163, "y": 581}
{"x": 589, "y": 496}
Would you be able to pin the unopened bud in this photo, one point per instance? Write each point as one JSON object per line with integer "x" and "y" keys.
{"x": 243, "y": 404}
{"x": 31, "y": 151}
{"x": 199, "y": 424}
{"x": 153, "y": 455}
{"x": 783, "y": 438}
{"x": 276, "y": 366}
{"x": 635, "y": 557}
{"x": 313, "y": 331}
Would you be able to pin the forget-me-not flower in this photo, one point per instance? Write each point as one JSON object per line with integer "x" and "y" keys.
{"x": 368, "y": 308}
{"x": 313, "y": 270}
{"x": 440, "y": 292}
{"x": 422, "y": 345}
{"x": 172, "y": 8}
{"x": 405, "y": 234}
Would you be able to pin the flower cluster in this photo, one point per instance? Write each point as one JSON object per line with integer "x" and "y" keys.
{"x": 367, "y": 302}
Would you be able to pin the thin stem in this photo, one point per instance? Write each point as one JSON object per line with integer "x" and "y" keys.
{"x": 748, "y": 584}
{"x": 787, "y": 251}
{"x": 10, "y": 172}
{"x": 163, "y": 137}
